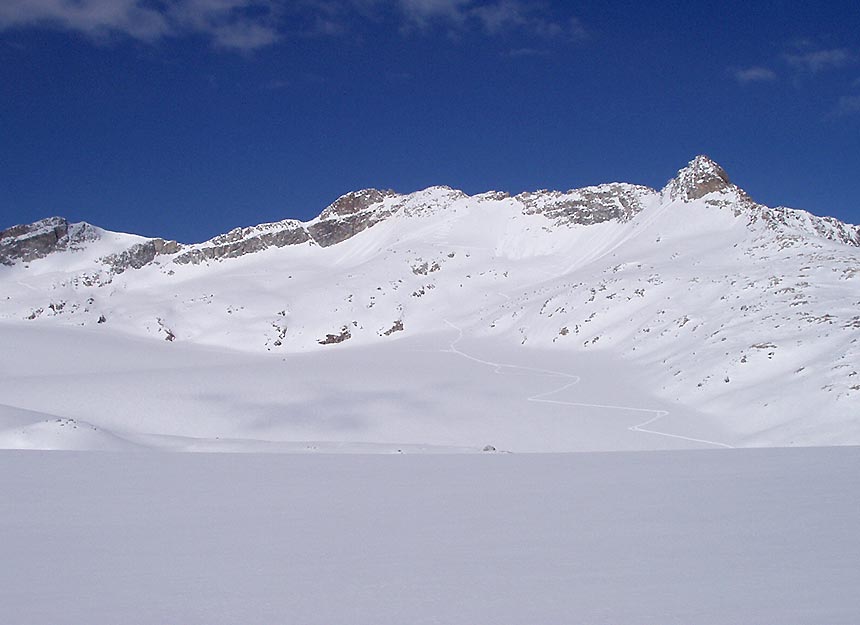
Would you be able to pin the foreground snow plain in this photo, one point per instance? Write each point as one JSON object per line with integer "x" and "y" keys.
{"x": 718, "y": 537}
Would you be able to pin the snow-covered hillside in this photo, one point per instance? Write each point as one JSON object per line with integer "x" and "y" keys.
{"x": 721, "y": 321}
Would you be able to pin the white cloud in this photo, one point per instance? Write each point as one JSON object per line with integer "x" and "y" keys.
{"x": 237, "y": 24}
{"x": 92, "y": 17}
{"x": 819, "y": 60}
{"x": 251, "y": 24}
{"x": 756, "y": 73}
{"x": 500, "y": 16}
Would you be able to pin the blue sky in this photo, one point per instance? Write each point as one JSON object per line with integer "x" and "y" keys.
{"x": 186, "y": 118}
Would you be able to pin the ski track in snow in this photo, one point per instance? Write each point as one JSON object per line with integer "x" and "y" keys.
{"x": 572, "y": 381}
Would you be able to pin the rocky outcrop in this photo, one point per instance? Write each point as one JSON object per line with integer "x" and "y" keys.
{"x": 356, "y": 202}
{"x": 350, "y": 214}
{"x": 140, "y": 255}
{"x": 344, "y": 218}
{"x": 587, "y": 206}
{"x": 333, "y": 339}
{"x": 28, "y": 242}
{"x": 241, "y": 241}
{"x": 397, "y": 326}
{"x": 332, "y": 231}
{"x": 790, "y": 219}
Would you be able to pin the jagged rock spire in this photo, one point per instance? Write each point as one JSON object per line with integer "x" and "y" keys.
{"x": 699, "y": 178}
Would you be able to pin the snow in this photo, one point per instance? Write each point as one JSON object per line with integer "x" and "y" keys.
{"x": 440, "y": 392}
{"x": 722, "y": 537}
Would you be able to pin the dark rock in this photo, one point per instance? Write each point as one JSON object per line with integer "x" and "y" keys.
{"x": 331, "y": 339}
{"x": 397, "y": 327}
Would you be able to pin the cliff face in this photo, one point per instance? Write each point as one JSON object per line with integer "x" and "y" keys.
{"x": 29, "y": 242}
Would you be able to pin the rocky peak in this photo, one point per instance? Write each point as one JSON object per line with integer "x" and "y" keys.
{"x": 699, "y": 178}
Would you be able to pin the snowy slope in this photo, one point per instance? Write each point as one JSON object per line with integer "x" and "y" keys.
{"x": 726, "y": 321}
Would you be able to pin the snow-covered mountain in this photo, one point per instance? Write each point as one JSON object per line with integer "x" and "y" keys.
{"x": 747, "y": 314}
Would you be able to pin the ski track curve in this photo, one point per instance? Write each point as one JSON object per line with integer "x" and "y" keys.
{"x": 573, "y": 380}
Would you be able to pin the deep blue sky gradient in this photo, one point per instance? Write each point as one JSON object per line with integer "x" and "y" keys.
{"x": 180, "y": 138}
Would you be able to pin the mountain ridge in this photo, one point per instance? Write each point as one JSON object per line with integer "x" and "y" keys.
{"x": 356, "y": 211}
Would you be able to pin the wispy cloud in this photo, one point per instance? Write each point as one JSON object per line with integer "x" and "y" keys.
{"x": 250, "y": 24}
{"x": 235, "y": 24}
{"x": 815, "y": 61}
{"x": 498, "y": 17}
{"x": 97, "y": 18}
{"x": 508, "y": 15}
{"x": 422, "y": 11}
{"x": 756, "y": 73}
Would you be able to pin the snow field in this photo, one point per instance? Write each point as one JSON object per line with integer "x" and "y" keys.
{"x": 718, "y": 537}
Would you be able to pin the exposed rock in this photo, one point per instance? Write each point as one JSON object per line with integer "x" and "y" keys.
{"x": 801, "y": 221}
{"x": 397, "y": 327}
{"x": 241, "y": 241}
{"x": 331, "y": 339}
{"x": 27, "y": 242}
{"x": 492, "y": 196}
{"x": 169, "y": 335}
{"x": 343, "y": 219}
{"x": 355, "y": 202}
{"x": 30, "y": 241}
{"x": 140, "y": 255}
{"x": 700, "y": 177}
{"x": 332, "y": 231}
{"x": 591, "y": 205}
